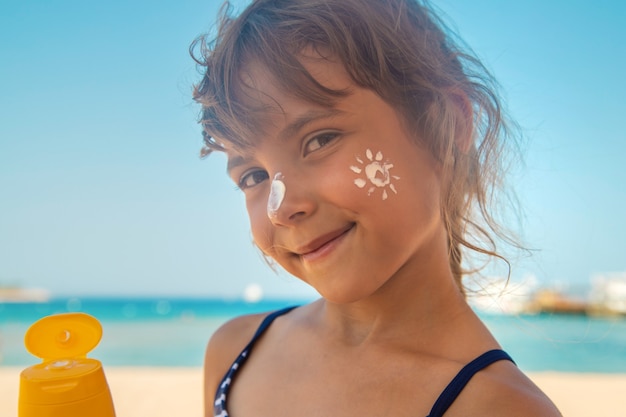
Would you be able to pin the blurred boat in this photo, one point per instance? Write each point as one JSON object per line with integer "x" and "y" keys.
{"x": 608, "y": 295}
{"x": 549, "y": 301}
{"x": 23, "y": 295}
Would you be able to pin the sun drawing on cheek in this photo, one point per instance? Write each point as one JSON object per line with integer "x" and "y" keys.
{"x": 376, "y": 173}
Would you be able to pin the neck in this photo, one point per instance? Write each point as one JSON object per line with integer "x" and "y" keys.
{"x": 422, "y": 297}
{"x": 419, "y": 307}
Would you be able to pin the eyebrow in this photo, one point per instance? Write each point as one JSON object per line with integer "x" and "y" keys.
{"x": 290, "y": 130}
{"x": 305, "y": 119}
{"x": 234, "y": 162}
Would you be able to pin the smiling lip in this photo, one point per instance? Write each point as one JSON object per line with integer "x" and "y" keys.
{"x": 324, "y": 244}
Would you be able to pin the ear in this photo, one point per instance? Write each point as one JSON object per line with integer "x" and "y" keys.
{"x": 464, "y": 132}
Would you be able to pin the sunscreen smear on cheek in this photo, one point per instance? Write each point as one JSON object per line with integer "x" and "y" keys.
{"x": 376, "y": 171}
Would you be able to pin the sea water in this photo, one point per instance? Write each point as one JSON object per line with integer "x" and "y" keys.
{"x": 174, "y": 332}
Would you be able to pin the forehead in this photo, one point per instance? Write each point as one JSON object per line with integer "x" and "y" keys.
{"x": 266, "y": 97}
{"x": 260, "y": 82}
{"x": 277, "y": 110}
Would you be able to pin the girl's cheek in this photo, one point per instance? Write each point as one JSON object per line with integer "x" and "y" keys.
{"x": 259, "y": 223}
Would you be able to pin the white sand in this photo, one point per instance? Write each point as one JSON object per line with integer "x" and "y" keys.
{"x": 165, "y": 392}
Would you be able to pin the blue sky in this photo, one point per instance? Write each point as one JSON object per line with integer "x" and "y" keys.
{"x": 102, "y": 191}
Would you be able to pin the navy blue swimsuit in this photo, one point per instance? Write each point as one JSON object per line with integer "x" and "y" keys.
{"x": 444, "y": 401}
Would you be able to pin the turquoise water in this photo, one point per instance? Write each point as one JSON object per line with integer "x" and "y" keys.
{"x": 174, "y": 332}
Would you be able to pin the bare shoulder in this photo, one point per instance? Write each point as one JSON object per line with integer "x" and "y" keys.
{"x": 503, "y": 390}
{"x": 222, "y": 350}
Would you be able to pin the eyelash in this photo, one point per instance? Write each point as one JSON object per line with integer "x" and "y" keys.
{"x": 251, "y": 174}
{"x": 330, "y": 136}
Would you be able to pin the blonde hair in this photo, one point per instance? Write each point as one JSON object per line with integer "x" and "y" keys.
{"x": 401, "y": 50}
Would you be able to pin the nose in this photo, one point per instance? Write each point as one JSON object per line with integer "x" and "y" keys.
{"x": 288, "y": 201}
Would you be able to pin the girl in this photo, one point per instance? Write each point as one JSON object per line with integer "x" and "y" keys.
{"x": 367, "y": 144}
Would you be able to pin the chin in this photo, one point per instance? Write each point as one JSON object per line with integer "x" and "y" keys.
{"x": 347, "y": 296}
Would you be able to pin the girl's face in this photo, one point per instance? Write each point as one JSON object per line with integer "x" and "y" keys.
{"x": 340, "y": 197}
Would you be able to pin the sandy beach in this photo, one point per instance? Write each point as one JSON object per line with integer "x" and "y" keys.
{"x": 164, "y": 392}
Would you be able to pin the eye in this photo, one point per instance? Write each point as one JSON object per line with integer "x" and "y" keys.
{"x": 319, "y": 141}
{"x": 251, "y": 178}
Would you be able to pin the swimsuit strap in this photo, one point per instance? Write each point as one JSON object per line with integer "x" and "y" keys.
{"x": 266, "y": 323}
{"x": 455, "y": 386}
{"x": 222, "y": 391}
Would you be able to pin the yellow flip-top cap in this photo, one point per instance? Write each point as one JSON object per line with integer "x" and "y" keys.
{"x": 66, "y": 383}
{"x": 63, "y": 336}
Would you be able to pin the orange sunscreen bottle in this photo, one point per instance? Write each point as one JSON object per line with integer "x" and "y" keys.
{"x": 66, "y": 383}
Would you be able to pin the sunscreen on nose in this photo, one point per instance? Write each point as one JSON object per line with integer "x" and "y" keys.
{"x": 66, "y": 383}
{"x": 277, "y": 194}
